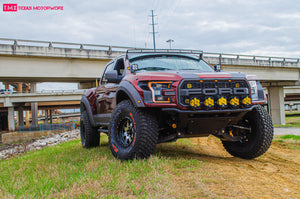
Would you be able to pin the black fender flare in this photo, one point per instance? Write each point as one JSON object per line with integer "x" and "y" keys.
{"x": 85, "y": 105}
{"x": 131, "y": 92}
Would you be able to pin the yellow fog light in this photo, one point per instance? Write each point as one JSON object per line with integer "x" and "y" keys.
{"x": 209, "y": 102}
{"x": 195, "y": 102}
{"x": 234, "y": 102}
{"x": 246, "y": 101}
{"x": 222, "y": 102}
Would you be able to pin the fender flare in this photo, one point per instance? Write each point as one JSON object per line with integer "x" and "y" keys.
{"x": 85, "y": 105}
{"x": 131, "y": 92}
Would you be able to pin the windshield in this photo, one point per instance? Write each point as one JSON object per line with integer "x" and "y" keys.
{"x": 155, "y": 63}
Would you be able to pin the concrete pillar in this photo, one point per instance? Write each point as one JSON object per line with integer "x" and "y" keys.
{"x": 21, "y": 116}
{"x": 27, "y": 115}
{"x": 291, "y": 109}
{"x": 298, "y": 107}
{"x": 11, "y": 119}
{"x": 34, "y": 113}
{"x": 6, "y": 85}
{"x": 276, "y": 104}
{"x": 51, "y": 118}
{"x": 46, "y": 117}
{"x": 34, "y": 106}
{"x": 19, "y": 87}
{"x": 33, "y": 87}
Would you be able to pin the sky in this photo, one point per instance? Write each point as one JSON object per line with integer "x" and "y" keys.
{"x": 256, "y": 27}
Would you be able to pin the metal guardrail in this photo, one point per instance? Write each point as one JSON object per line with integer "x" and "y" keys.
{"x": 46, "y": 92}
{"x": 109, "y": 49}
{"x": 47, "y": 127}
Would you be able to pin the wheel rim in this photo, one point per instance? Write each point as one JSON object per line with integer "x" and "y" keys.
{"x": 126, "y": 131}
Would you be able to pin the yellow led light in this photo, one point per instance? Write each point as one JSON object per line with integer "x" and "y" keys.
{"x": 209, "y": 102}
{"x": 189, "y": 85}
{"x": 195, "y": 102}
{"x": 237, "y": 85}
{"x": 187, "y": 101}
{"x": 234, "y": 101}
{"x": 246, "y": 101}
{"x": 222, "y": 101}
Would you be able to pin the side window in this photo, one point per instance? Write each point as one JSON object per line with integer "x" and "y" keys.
{"x": 120, "y": 67}
{"x": 109, "y": 67}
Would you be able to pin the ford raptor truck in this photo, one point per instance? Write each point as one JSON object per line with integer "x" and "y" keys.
{"x": 147, "y": 97}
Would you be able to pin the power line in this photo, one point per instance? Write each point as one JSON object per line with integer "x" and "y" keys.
{"x": 153, "y": 28}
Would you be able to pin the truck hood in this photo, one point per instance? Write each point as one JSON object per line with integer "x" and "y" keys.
{"x": 183, "y": 74}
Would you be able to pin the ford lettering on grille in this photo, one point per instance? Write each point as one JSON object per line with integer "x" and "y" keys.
{"x": 215, "y": 94}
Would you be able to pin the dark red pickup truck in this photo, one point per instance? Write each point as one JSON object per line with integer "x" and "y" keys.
{"x": 147, "y": 97}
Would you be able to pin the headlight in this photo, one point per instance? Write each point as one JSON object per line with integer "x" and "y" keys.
{"x": 254, "y": 90}
{"x": 161, "y": 91}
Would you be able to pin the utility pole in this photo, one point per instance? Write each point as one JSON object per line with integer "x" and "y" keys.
{"x": 170, "y": 41}
{"x": 153, "y": 29}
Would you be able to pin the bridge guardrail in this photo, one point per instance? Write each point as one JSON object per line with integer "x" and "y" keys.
{"x": 47, "y": 127}
{"x": 109, "y": 49}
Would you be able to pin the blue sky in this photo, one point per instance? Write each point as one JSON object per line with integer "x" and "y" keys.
{"x": 256, "y": 27}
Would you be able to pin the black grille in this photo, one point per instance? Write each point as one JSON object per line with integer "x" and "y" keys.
{"x": 214, "y": 89}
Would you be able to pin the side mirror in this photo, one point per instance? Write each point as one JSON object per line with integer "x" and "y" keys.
{"x": 112, "y": 76}
{"x": 218, "y": 68}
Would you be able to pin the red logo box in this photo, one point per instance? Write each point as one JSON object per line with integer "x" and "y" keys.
{"x": 10, "y": 7}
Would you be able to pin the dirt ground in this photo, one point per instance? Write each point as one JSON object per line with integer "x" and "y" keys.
{"x": 276, "y": 174}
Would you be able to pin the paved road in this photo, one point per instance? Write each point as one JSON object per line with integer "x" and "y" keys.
{"x": 288, "y": 130}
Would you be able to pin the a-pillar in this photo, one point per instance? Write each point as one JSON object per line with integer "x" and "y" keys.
{"x": 276, "y": 104}
{"x": 21, "y": 116}
{"x": 11, "y": 119}
{"x": 34, "y": 106}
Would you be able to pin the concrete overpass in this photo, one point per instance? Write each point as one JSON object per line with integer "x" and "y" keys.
{"x": 34, "y": 101}
{"x": 44, "y": 61}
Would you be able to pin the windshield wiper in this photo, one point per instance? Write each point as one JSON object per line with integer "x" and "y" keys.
{"x": 154, "y": 68}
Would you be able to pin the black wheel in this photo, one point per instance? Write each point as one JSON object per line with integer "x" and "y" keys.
{"x": 90, "y": 137}
{"x": 133, "y": 132}
{"x": 258, "y": 141}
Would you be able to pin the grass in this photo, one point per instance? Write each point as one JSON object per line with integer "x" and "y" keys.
{"x": 293, "y": 121}
{"x": 290, "y": 141}
{"x": 67, "y": 170}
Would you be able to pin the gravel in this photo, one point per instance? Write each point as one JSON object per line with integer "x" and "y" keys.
{"x": 7, "y": 151}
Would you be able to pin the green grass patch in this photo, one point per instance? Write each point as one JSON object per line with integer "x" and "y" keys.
{"x": 293, "y": 121}
{"x": 69, "y": 171}
{"x": 294, "y": 137}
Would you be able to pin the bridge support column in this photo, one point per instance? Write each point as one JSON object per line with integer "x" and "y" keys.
{"x": 21, "y": 116}
{"x": 27, "y": 113}
{"x": 11, "y": 119}
{"x": 34, "y": 106}
{"x": 276, "y": 104}
{"x": 34, "y": 113}
{"x": 298, "y": 107}
{"x": 51, "y": 119}
{"x": 46, "y": 117}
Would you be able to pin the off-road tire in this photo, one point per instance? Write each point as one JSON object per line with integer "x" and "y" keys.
{"x": 90, "y": 137}
{"x": 259, "y": 139}
{"x": 144, "y": 132}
